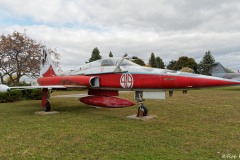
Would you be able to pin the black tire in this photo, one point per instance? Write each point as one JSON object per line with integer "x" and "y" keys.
{"x": 47, "y": 107}
{"x": 145, "y": 112}
{"x": 143, "y": 109}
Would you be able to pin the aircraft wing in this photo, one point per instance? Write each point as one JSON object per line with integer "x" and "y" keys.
{"x": 48, "y": 87}
{"x": 36, "y": 87}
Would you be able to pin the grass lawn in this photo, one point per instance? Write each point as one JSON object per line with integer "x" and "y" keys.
{"x": 203, "y": 124}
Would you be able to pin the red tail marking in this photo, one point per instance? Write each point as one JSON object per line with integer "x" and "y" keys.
{"x": 50, "y": 72}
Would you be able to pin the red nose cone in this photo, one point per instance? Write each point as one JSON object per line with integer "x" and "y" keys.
{"x": 218, "y": 82}
{"x": 109, "y": 102}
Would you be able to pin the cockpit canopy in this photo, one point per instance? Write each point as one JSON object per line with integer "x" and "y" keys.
{"x": 110, "y": 64}
{"x": 107, "y": 62}
{"x": 115, "y": 61}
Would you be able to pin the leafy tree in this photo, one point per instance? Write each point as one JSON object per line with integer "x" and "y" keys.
{"x": 206, "y": 62}
{"x": 110, "y": 54}
{"x": 171, "y": 64}
{"x": 228, "y": 70}
{"x": 152, "y": 61}
{"x": 95, "y": 55}
{"x": 159, "y": 63}
{"x": 186, "y": 62}
{"x": 138, "y": 61}
{"x": 187, "y": 69}
{"x": 19, "y": 56}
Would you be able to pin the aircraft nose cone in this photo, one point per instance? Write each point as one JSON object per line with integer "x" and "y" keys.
{"x": 214, "y": 81}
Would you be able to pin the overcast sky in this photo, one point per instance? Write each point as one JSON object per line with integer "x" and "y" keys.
{"x": 169, "y": 28}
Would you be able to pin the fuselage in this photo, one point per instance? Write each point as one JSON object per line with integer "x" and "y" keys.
{"x": 130, "y": 76}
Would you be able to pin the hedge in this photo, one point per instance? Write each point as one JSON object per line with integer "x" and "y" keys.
{"x": 17, "y": 95}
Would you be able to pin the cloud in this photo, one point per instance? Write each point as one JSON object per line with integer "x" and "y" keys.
{"x": 135, "y": 14}
{"x": 170, "y": 28}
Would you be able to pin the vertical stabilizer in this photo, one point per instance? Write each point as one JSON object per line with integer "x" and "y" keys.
{"x": 47, "y": 67}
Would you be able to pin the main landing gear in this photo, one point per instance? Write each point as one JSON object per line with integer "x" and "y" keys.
{"x": 45, "y": 100}
{"x": 47, "y": 106}
{"x": 142, "y": 110}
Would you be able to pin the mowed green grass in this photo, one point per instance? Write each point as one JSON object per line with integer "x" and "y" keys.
{"x": 203, "y": 124}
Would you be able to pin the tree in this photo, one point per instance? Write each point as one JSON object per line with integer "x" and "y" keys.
{"x": 185, "y": 62}
{"x": 110, "y": 54}
{"x": 228, "y": 70}
{"x": 187, "y": 69}
{"x": 95, "y": 55}
{"x": 152, "y": 61}
{"x": 134, "y": 57}
{"x": 138, "y": 61}
{"x": 2, "y": 77}
{"x": 171, "y": 64}
{"x": 19, "y": 56}
{"x": 9, "y": 81}
{"x": 206, "y": 62}
{"x": 159, "y": 63}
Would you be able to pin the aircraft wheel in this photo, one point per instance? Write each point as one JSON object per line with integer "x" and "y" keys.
{"x": 142, "y": 111}
{"x": 145, "y": 112}
{"x": 47, "y": 107}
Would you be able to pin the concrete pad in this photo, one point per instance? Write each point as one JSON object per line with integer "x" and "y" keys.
{"x": 46, "y": 113}
{"x": 141, "y": 118}
{"x": 94, "y": 106}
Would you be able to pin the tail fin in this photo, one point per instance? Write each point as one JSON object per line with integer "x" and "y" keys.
{"x": 217, "y": 68}
{"x": 47, "y": 67}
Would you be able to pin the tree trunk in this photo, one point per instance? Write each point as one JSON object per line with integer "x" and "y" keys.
{"x": 2, "y": 81}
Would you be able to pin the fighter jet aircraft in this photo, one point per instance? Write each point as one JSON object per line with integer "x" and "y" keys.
{"x": 104, "y": 79}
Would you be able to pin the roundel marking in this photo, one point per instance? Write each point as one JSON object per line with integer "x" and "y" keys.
{"x": 126, "y": 80}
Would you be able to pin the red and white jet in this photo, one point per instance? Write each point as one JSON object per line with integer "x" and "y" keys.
{"x": 104, "y": 79}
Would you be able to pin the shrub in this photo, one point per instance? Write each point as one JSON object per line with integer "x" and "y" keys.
{"x": 36, "y": 94}
{"x": 3, "y": 97}
{"x": 32, "y": 94}
{"x": 17, "y": 95}
{"x": 12, "y": 96}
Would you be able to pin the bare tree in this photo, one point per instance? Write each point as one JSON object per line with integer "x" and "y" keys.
{"x": 20, "y": 55}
